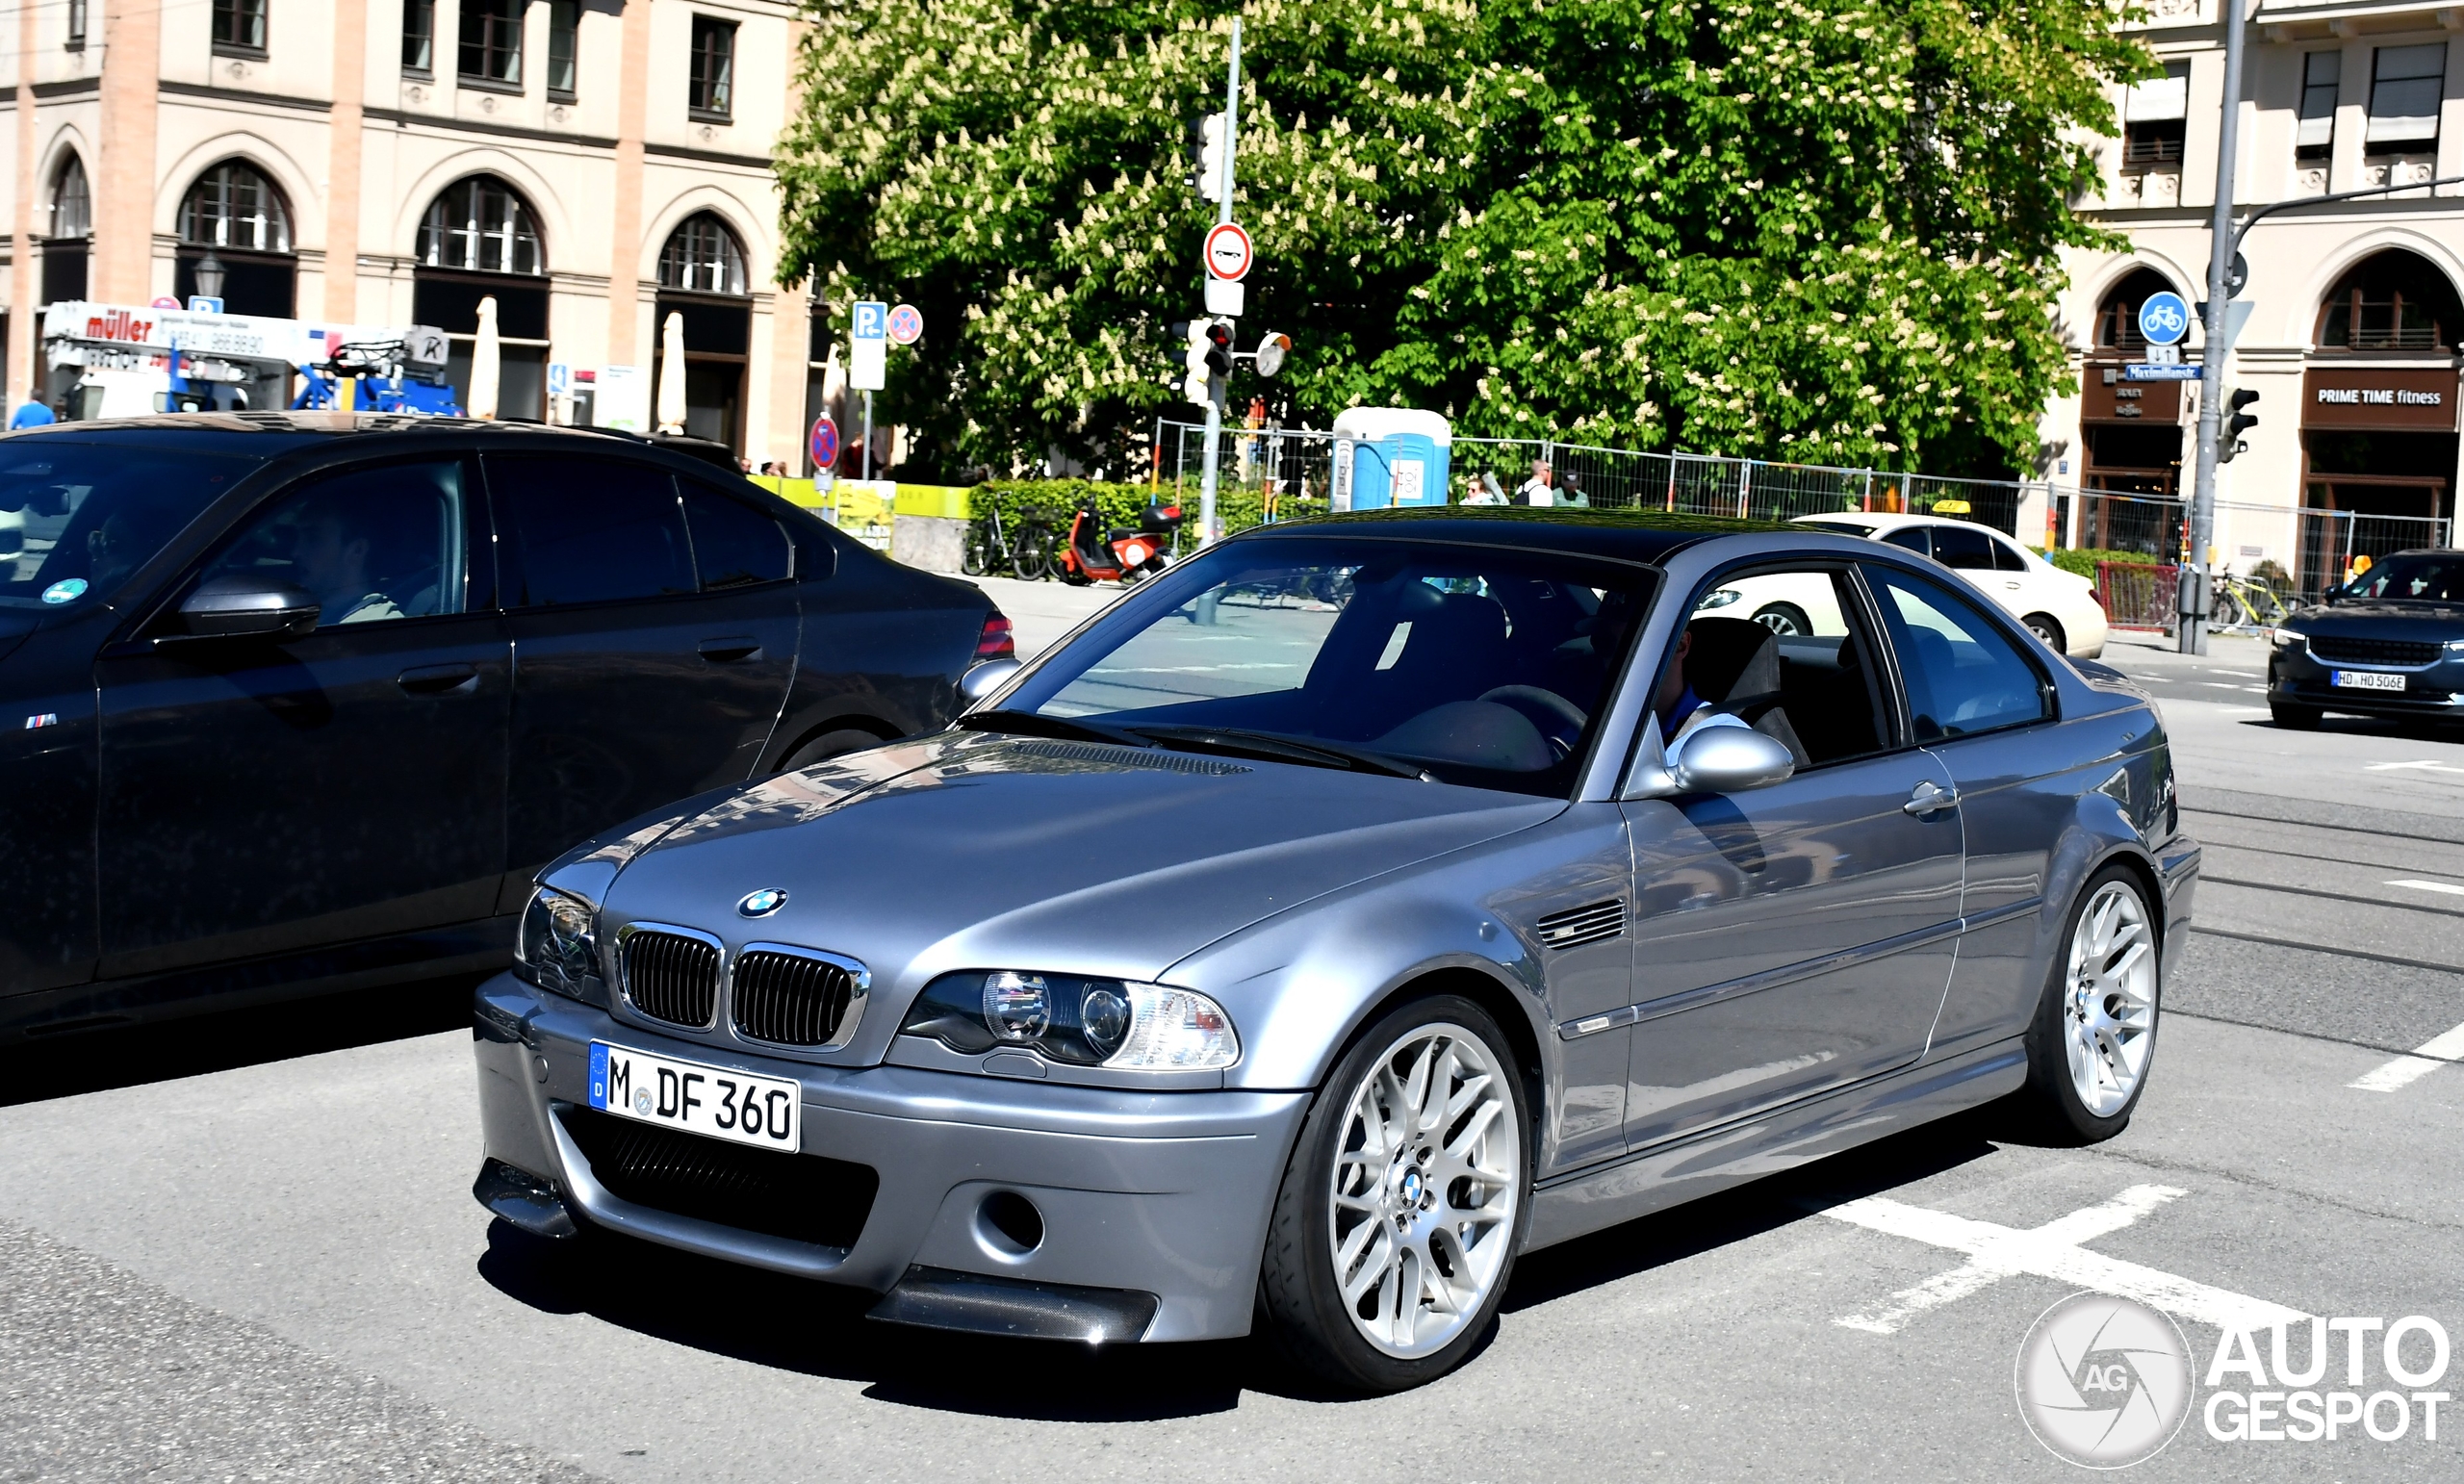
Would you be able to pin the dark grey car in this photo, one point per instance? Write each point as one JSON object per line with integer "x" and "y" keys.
{"x": 303, "y": 701}
{"x": 1360, "y": 904}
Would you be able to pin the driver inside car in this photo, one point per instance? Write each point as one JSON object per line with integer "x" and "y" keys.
{"x": 329, "y": 552}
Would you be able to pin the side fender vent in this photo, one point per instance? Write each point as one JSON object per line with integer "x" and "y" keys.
{"x": 1577, "y": 926}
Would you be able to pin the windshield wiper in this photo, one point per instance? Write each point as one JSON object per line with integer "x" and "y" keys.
{"x": 1240, "y": 742}
{"x": 1030, "y": 724}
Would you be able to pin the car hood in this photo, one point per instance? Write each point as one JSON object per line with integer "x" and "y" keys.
{"x": 15, "y": 626}
{"x": 2378, "y": 618}
{"x": 973, "y": 850}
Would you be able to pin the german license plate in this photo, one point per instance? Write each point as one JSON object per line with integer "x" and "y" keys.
{"x": 2366, "y": 680}
{"x": 717, "y": 1102}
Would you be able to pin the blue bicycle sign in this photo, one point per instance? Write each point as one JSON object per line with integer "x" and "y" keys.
{"x": 2165, "y": 318}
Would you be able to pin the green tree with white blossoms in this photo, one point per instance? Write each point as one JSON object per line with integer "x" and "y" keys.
{"x": 1826, "y": 232}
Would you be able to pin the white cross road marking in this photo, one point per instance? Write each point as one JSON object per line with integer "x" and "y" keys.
{"x": 2450, "y": 887}
{"x": 2053, "y": 1251}
{"x": 2424, "y": 1058}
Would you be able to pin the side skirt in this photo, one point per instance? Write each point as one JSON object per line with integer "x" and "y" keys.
{"x": 1768, "y": 1143}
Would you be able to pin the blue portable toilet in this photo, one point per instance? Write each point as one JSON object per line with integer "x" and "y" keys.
{"x": 1390, "y": 456}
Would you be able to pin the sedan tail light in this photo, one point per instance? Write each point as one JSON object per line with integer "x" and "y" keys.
{"x": 996, "y": 642}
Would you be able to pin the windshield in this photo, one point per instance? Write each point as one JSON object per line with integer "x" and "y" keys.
{"x": 1843, "y": 527}
{"x": 77, "y": 518}
{"x": 2415, "y": 578}
{"x": 1475, "y": 665}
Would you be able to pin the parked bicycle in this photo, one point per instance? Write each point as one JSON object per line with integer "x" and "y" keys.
{"x": 2245, "y": 606}
{"x": 1029, "y": 558}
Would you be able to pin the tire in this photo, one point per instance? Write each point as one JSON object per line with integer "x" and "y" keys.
{"x": 2092, "y": 1040}
{"x": 1784, "y": 618}
{"x": 2046, "y": 627}
{"x": 973, "y": 557}
{"x": 828, "y": 744}
{"x": 1301, "y": 1307}
{"x": 2294, "y": 718}
{"x": 1030, "y": 558}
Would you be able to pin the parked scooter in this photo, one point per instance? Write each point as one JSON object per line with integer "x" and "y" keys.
{"x": 1094, "y": 555}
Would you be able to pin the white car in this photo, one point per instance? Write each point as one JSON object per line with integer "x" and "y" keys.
{"x": 2059, "y": 607}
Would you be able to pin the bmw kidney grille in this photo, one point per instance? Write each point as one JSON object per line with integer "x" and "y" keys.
{"x": 788, "y": 998}
{"x": 672, "y": 978}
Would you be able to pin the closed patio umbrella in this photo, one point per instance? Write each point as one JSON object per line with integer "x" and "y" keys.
{"x": 485, "y": 356}
{"x": 671, "y": 375}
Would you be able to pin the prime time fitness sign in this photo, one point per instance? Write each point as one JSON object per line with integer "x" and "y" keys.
{"x": 2406, "y": 400}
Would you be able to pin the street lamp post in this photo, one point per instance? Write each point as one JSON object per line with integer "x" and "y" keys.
{"x": 2191, "y": 601}
{"x": 209, "y": 275}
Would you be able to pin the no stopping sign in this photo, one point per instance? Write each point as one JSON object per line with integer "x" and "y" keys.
{"x": 1227, "y": 251}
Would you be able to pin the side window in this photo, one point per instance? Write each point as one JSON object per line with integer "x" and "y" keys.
{"x": 369, "y": 544}
{"x": 2007, "y": 557}
{"x": 1911, "y": 537}
{"x": 734, "y": 543}
{"x": 591, "y": 530}
{"x": 1964, "y": 547}
{"x": 1962, "y": 676}
{"x": 1779, "y": 649}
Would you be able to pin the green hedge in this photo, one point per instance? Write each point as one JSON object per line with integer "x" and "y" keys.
{"x": 2083, "y": 560}
{"x": 1054, "y": 501}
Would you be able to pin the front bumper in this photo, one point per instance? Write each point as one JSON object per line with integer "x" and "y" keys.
{"x": 2296, "y": 678}
{"x": 1140, "y": 1193}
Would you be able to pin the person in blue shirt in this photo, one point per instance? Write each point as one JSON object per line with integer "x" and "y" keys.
{"x": 32, "y": 414}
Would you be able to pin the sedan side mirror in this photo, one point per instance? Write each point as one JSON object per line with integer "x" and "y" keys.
{"x": 984, "y": 679}
{"x": 1729, "y": 759}
{"x": 236, "y": 605}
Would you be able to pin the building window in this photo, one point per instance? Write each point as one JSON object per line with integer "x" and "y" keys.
{"x": 2117, "y": 315}
{"x": 233, "y": 206}
{"x": 2404, "y": 85}
{"x": 2393, "y": 300}
{"x": 2314, "y": 139}
{"x": 76, "y": 25}
{"x": 480, "y": 226}
{"x": 492, "y": 41}
{"x": 418, "y": 38}
{"x": 2153, "y": 118}
{"x": 703, "y": 256}
{"x": 240, "y": 26}
{"x": 72, "y": 205}
{"x": 563, "y": 19}
{"x": 713, "y": 68}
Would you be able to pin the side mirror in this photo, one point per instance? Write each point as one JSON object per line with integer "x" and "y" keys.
{"x": 235, "y": 607}
{"x": 2332, "y": 595}
{"x": 1729, "y": 759}
{"x": 984, "y": 679}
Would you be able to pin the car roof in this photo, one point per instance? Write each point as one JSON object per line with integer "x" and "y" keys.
{"x": 273, "y": 432}
{"x": 1627, "y": 535}
{"x": 1880, "y": 522}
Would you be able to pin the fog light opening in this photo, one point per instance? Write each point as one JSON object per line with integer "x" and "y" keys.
{"x": 1009, "y": 1223}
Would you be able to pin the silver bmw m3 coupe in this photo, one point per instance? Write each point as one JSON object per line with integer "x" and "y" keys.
{"x": 1358, "y": 905}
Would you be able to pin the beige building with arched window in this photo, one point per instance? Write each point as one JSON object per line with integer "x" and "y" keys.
{"x": 593, "y": 166}
{"x": 2354, "y": 324}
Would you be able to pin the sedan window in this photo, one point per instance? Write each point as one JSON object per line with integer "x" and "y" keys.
{"x": 1962, "y": 676}
{"x": 593, "y": 530}
{"x": 1963, "y": 547}
{"x": 369, "y": 544}
{"x": 1911, "y": 537}
{"x": 76, "y": 518}
{"x": 2412, "y": 579}
{"x": 1483, "y": 667}
{"x": 734, "y": 543}
{"x": 2008, "y": 557}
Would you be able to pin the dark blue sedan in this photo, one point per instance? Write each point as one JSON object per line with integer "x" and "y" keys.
{"x": 2389, "y": 643}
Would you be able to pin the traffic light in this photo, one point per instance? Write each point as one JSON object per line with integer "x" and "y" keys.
{"x": 1210, "y": 157}
{"x": 1219, "y": 347}
{"x": 2228, "y": 438}
{"x": 1195, "y": 375}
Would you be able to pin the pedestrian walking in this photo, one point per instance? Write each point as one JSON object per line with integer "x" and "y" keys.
{"x": 1540, "y": 489}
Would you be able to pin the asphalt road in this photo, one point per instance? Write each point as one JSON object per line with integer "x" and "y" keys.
{"x": 247, "y": 1250}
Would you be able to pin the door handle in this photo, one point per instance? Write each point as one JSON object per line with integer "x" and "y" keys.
{"x": 2013, "y": 587}
{"x": 732, "y": 647}
{"x": 438, "y": 680}
{"x": 1930, "y": 800}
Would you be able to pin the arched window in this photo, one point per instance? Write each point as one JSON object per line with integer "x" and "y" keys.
{"x": 2392, "y": 300}
{"x": 72, "y": 205}
{"x": 480, "y": 226}
{"x": 233, "y": 206}
{"x": 2117, "y": 315}
{"x": 703, "y": 256}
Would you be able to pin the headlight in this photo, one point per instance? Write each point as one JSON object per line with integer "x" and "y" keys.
{"x": 1078, "y": 1022}
{"x": 1721, "y": 598}
{"x": 558, "y": 949}
{"x": 2291, "y": 636}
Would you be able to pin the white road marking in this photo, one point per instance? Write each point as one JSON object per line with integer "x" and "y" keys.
{"x": 2424, "y": 1058}
{"x": 2450, "y": 887}
{"x": 2426, "y": 765}
{"x": 2053, "y": 1251}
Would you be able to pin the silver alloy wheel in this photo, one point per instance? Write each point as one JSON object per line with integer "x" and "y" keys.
{"x": 2109, "y": 1008}
{"x": 1425, "y": 1185}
